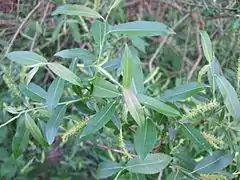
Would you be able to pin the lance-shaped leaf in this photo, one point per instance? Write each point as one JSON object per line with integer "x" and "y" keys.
{"x": 54, "y": 93}
{"x": 229, "y": 95}
{"x": 141, "y": 28}
{"x": 103, "y": 88}
{"x": 26, "y": 58}
{"x": 145, "y": 138}
{"x": 158, "y": 106}
{"x": 20, "y": 139}
{"x": 76, "y": 10}
{"x": 127, "y": 67}
{"x": 64, "y": 73}
{"x": 196, "y": 137}
{"x": 107, "y": 169}
{"x": 31, "y": 74}
{"x": 34, "y": 130}
{"x": 99, "y": 30}
{"x": 183, "y": 92}
{"x": 206, "y": 45}
{"x": 153, "y": 163}
{"x": 134, "y": 106}
{"x": 79, "y": 53}
{"x": 138, "y": 79}
{"x": 214, "y": 163}
{"x": 53, "y": 123}
{"x": 99, "y": 119}
{"x": 33, "y": 91}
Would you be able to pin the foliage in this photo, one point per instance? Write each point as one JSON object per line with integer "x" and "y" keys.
{"x": 97, "y": 112}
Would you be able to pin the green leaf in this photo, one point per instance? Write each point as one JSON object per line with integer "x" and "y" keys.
{"x": 158, "y": 106}
{"x": 54, "y": 93}
{"x": 33, "y": 91}
{"x": 196, "y": 137}
{"x": 183, "y": 92}
{"x": 229, "y": 95}
{"x": 76, "y": 10}
{"x": 34, "y": 130}
{"x": 152, "y": 164}
{"x": 75, "y": 31}
{"x": 139, "y": 43}
{"x": 103, "y": 88}
{"x": 57, "y": 30}
{"x": 99, "y": 119}
{"x": 145, "y": 138}
{"x": 20, "y": 139}
{"x": 98, "y": 31}
{"x": 80, "y": 53}
{"x": 134, "y": 107}
{"x": 141, "y": 28}
{"x": 138, "y": 78}
{"x": 127, "y": 67}
{"x": 214, "y": 163}
{"x": 64, "y": 73}
{"x": 203, "y": 71}
{"x": 32, "y": 73}
{"x": 53, "y": 123}
{"x": 26, "y": 58}
{"x": 206, "y": 45}
{"x": 107, "y": 169}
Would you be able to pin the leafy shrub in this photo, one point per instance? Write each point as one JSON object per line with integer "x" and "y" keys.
{"x": 103, "y": 93}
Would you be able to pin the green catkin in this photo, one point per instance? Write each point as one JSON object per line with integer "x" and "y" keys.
{"x": 214, "y": 141}
{"x": 200, "y": 109}
{"x": 10, "y": 82}
{"x": 72, "y": 131}
{"x": 212, "y": 177}
{"x": 122, "y": 145}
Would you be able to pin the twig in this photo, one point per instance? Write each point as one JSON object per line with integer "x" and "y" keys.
{"x": 108, "y": 148}
{"x": 163, "y": 42}
{"x": 42, "y": 20}
{"x": 19, "y": 29}
{"x": 199, "y": 51}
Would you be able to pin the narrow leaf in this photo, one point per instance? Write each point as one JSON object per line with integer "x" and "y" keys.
{"x": 54, "y": 93}
{"x": 229, "y": 95}
{"x": 20, "y": 139}
{"x": 145, "y": 138}
{"x": 183, "y": 92}
{"x": 138, "y": 78}
{"x": 98, "y": 31}
{"x": 33, "y": 91}
{"x": 53, "y": 123}
{"x": 76, "y": 10}
{"x": 26, "y": 58}
{"x": 34, "y": 130}
{"x": 32, "y": 73}
{"x": 206, "y": 45}
{"x": 195, "y": 136}
{"x": 64, "y": 73}
{"x": 141, "y": 28}
{"x": 107, "y": 169}
{"x": 99, "y": 119}
{"x": 152, "y": 164}
{"x": 103, "y": 88}
{"x": 127, "y": 67}
{"x": 158, "y": 106}
{"x": 214, "y": 163}
{"x": 79, "y": 53}
{"x": 134, "y": 107}
{"x": 75, "y": 31}
{"x": 139, "y": 43}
